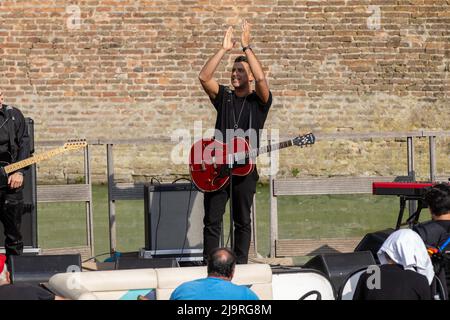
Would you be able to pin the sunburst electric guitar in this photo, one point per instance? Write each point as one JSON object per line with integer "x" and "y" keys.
{"x": 209, "y": 159}
{"x": 6, "y": 168}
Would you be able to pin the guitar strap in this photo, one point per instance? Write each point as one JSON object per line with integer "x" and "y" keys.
{"x": 228, "y": 104}
{"x": 250, "y": 118}
{"x": 226, "y": 107}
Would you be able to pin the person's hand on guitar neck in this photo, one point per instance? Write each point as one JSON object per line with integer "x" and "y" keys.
{"x": 15, "y": 180}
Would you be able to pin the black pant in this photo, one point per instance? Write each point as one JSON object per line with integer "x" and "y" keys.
{"x": 244, "y": 189}
{"x": 11, "y": 210}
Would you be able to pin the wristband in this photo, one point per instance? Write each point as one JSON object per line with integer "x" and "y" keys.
{"x": 245, "y": 48}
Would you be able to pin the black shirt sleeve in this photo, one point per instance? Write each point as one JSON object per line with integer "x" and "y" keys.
{"x": 22, "y": 136}
{"x": 217, "y": 102}
{"x": 265, "y": 106}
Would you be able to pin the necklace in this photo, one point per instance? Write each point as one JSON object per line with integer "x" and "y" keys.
{"x": 240, "y": 113}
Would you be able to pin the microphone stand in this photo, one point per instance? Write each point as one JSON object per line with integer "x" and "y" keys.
{"x": 230, "y": 172}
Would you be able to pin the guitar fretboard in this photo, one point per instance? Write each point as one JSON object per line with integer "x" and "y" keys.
{"x": 270, "y": 148}
{"x": 29, "y": 161}
{"x": 256, "y": 152}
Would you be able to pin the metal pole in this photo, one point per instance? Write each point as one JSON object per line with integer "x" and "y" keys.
{"x": 89, "y": 211}
{"x": 253, "y": 213}
{"x": 410, "y": 150}
{"x": 411, "y": 172}
{"x": 432, "y": 145}
{"x": 273, "y": 204}
{"x": 111, "y": 202}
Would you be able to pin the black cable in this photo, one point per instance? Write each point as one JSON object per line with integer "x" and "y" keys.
{"x": 182, "y": 178}
{"x": 98, "y": 255}
{"x": 159, "y": 213}
{"x": 310, "y": 293}
{"x": 229, "y": 235}
{"x": 187, "y": 215}
{"x": 153, "y": 178}
{"x": 231, "y": 217}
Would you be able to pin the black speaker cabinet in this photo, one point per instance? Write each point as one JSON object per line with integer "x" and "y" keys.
{"x": 173, "y": 219}
{"x": 338, "y": 266}
{"x": 39, "y": 269}
{"x": 373, "y": 241}
{"x": 29, "y": 218}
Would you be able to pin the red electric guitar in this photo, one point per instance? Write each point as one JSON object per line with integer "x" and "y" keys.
{"x": 209, "y": 159}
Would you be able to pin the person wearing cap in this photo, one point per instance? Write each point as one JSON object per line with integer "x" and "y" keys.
{"x": 14, "y": 147}
{"x": 20, "y": 291}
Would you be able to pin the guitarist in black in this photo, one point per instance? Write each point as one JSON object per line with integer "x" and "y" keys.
{"x": 244, "y": 109}
{"x": 14, "y": 146}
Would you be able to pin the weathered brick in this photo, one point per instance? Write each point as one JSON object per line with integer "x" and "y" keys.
{"x": 130, "y": 70}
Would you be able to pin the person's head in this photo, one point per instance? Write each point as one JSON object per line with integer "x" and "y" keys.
{"x": 4, "y": 274}
{"x": 438, "y": 200}
{"x": 221, "y": 263}
{"x": 241, "y": 74}
{"x": 406, "y": 248}
{"x": 386, "y": 259}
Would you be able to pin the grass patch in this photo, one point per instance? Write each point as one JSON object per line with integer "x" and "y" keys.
{"x": 63, "y": 224}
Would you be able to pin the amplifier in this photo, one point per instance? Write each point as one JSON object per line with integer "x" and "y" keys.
{"x": 173, "y": 220}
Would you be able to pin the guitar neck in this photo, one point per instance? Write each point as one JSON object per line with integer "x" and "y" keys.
{"x": 29, "y": 161}
{"x": 272, "y": 147}
{"x": 256, "y": 152}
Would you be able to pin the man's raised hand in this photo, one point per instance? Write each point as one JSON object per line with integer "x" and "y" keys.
{"x": 245, "y": 37}
{"x": 228, "y": 42}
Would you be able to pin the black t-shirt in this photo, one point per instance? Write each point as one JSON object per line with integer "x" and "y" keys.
{"x": 395, "y": 284}
{"x": 233, "y": 110}
{"x": 24, "y": 292}
{"x": 434, "y": 232}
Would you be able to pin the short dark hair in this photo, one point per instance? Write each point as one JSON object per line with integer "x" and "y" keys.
{"x": 438, "y": 199}
{"x": 221, "y": 263}
{"x": 241, "y": 59}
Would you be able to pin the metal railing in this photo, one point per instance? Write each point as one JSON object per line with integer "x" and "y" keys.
{"x": 132, "y": 191}
{"x": 349, "y": 185}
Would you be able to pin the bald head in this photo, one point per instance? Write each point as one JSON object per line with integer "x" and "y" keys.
{"x": 221, "y": 263}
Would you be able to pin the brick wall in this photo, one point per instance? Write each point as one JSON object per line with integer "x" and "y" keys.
{"x": 128, "y": 69}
